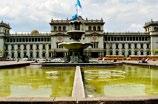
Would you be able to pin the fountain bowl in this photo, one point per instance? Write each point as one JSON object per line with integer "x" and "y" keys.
{"x": 75, "y": 45}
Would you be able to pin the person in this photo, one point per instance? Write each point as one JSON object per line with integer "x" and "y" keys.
{"x": 144, "y": 60}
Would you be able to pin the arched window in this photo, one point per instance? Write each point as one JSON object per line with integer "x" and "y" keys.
{"x": 19, "y": 55}
{"x": 64, "y": 28}
{"x": 31, "y": 54}
{"x": 89, "y": 28}
{"x": 59, "y": 28}
{"x": 94, "y": 28}
{"x": 43, "y": 54}
{"x": 55, "y": 28}
{"x": 37, "y": 54}
{"x": 99, "y": 29}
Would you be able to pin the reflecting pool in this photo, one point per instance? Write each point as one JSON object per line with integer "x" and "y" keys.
{"x": 34, "y": 81}
{"x": 120, "y": 81}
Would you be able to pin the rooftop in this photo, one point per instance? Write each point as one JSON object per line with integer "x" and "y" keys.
{"x": 151, "y": 23}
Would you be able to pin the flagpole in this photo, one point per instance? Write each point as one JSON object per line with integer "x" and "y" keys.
{"x": 77, "y": 11}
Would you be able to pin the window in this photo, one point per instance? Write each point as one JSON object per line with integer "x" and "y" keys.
{"x": 59, "y": 28}
{"x": 117, "y": 46}
{"x": 94, "y": 28}
{"x": 123, "y": 46}
{"x": 104, "y": 45}
{"x": 37, "y": 46}
{"x": 6, "y": 47}
{"x": 10, "y": 40}
{"x": 129, "y": 46}
{"x": 105, "y": 38}
{"x": 31, "y": 47}
{"x": 121, "y": 38}
{"x": 141, "y": 52}
{"x": 117, "y": 52}
{"x": 25, "y": 55}
{"x": 55, "y": 28}
{"x": 99, "y": 29}
{"x": 31, "y": 54}
{"x": 134, "y": 38}
{"x": 135, "y": 45}
{"x": 110, "y": 52}
{"x": 115, "y": 39}
{"x": 44, "y": 54}
{"x": 49, "y": 46}
{"x": 112, "y": 39}
{"x": 12, "y": 55}
{"x": 12, "y": 47}
{"x": 35, "y": 39}
{"x": 37, "y": 54}
{"x": 94, "y": 44}
{"x": 18, "y": 54}
{"x": 129, "y": 52}
{"x": 44, "y": 47}
{"x": 64, "y": 28}
{"x": 26, "y": 39}
{"x": 18, "y": 47}
{"x": 141, "y": 46}
{"x": 89, "y": 28}
{"x": 24, "y": 47}
{"x": 108, "y": 38}
{"x": 23, "y": 40}
{"x": 148, "y": 46}
{"x": 57, "y": 44}
{"x": 50, "y": 54}
{"x": 128, "y": 38}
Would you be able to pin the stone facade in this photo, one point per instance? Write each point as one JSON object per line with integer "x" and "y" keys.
{"x": 41, "y": 45}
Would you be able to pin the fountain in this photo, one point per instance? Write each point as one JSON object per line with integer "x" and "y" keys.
{"x": 74, "y": 46}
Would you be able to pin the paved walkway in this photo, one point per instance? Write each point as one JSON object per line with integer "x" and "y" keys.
{"x": 13, "y": 63}
{"x": 78, "y": 87}
{"x": 149, "y": 62}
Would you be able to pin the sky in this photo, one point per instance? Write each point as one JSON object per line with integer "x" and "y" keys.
{"x": 118, "y": 15}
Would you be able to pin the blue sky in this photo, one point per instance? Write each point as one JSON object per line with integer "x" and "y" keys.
{"x": 119, "y": 15}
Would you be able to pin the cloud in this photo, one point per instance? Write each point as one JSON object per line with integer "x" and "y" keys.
{"x": 119, "y": 15}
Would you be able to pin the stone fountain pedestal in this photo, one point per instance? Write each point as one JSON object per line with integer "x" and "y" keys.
{"x": 74, "y": 46}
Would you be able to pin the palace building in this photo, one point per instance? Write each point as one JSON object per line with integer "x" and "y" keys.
{"x": 35, "y": 44}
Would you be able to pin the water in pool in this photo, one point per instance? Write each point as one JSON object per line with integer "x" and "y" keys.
{"x": 120, "y": 81}
{"x": 34, "y": 81}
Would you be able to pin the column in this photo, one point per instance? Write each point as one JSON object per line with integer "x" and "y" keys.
{"x": 132, "y": 48}
{"x": 40, "y": 50}
{"x": 15, "y": 51}
{"x": 120, "y": 48}
{"x": 138, "y": 49}
{"x": 28, "y": 50}
{"x": 126, "y": 49}
{"x": 34, "y": 50}
{"x": 9, "y": 51}
{"x": 114, "y": 49}
{"x": 107, "y": 49}
{"x": 47, "y": 51}
{"x": 22, "y": 51}
{"x": 145, "y": 49}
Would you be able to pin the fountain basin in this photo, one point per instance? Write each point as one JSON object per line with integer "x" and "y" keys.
{"x": 75, "y": 45}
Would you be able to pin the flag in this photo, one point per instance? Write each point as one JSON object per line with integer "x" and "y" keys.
{"x": 78, "y": 4}
{"x": 74, "y": 17}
